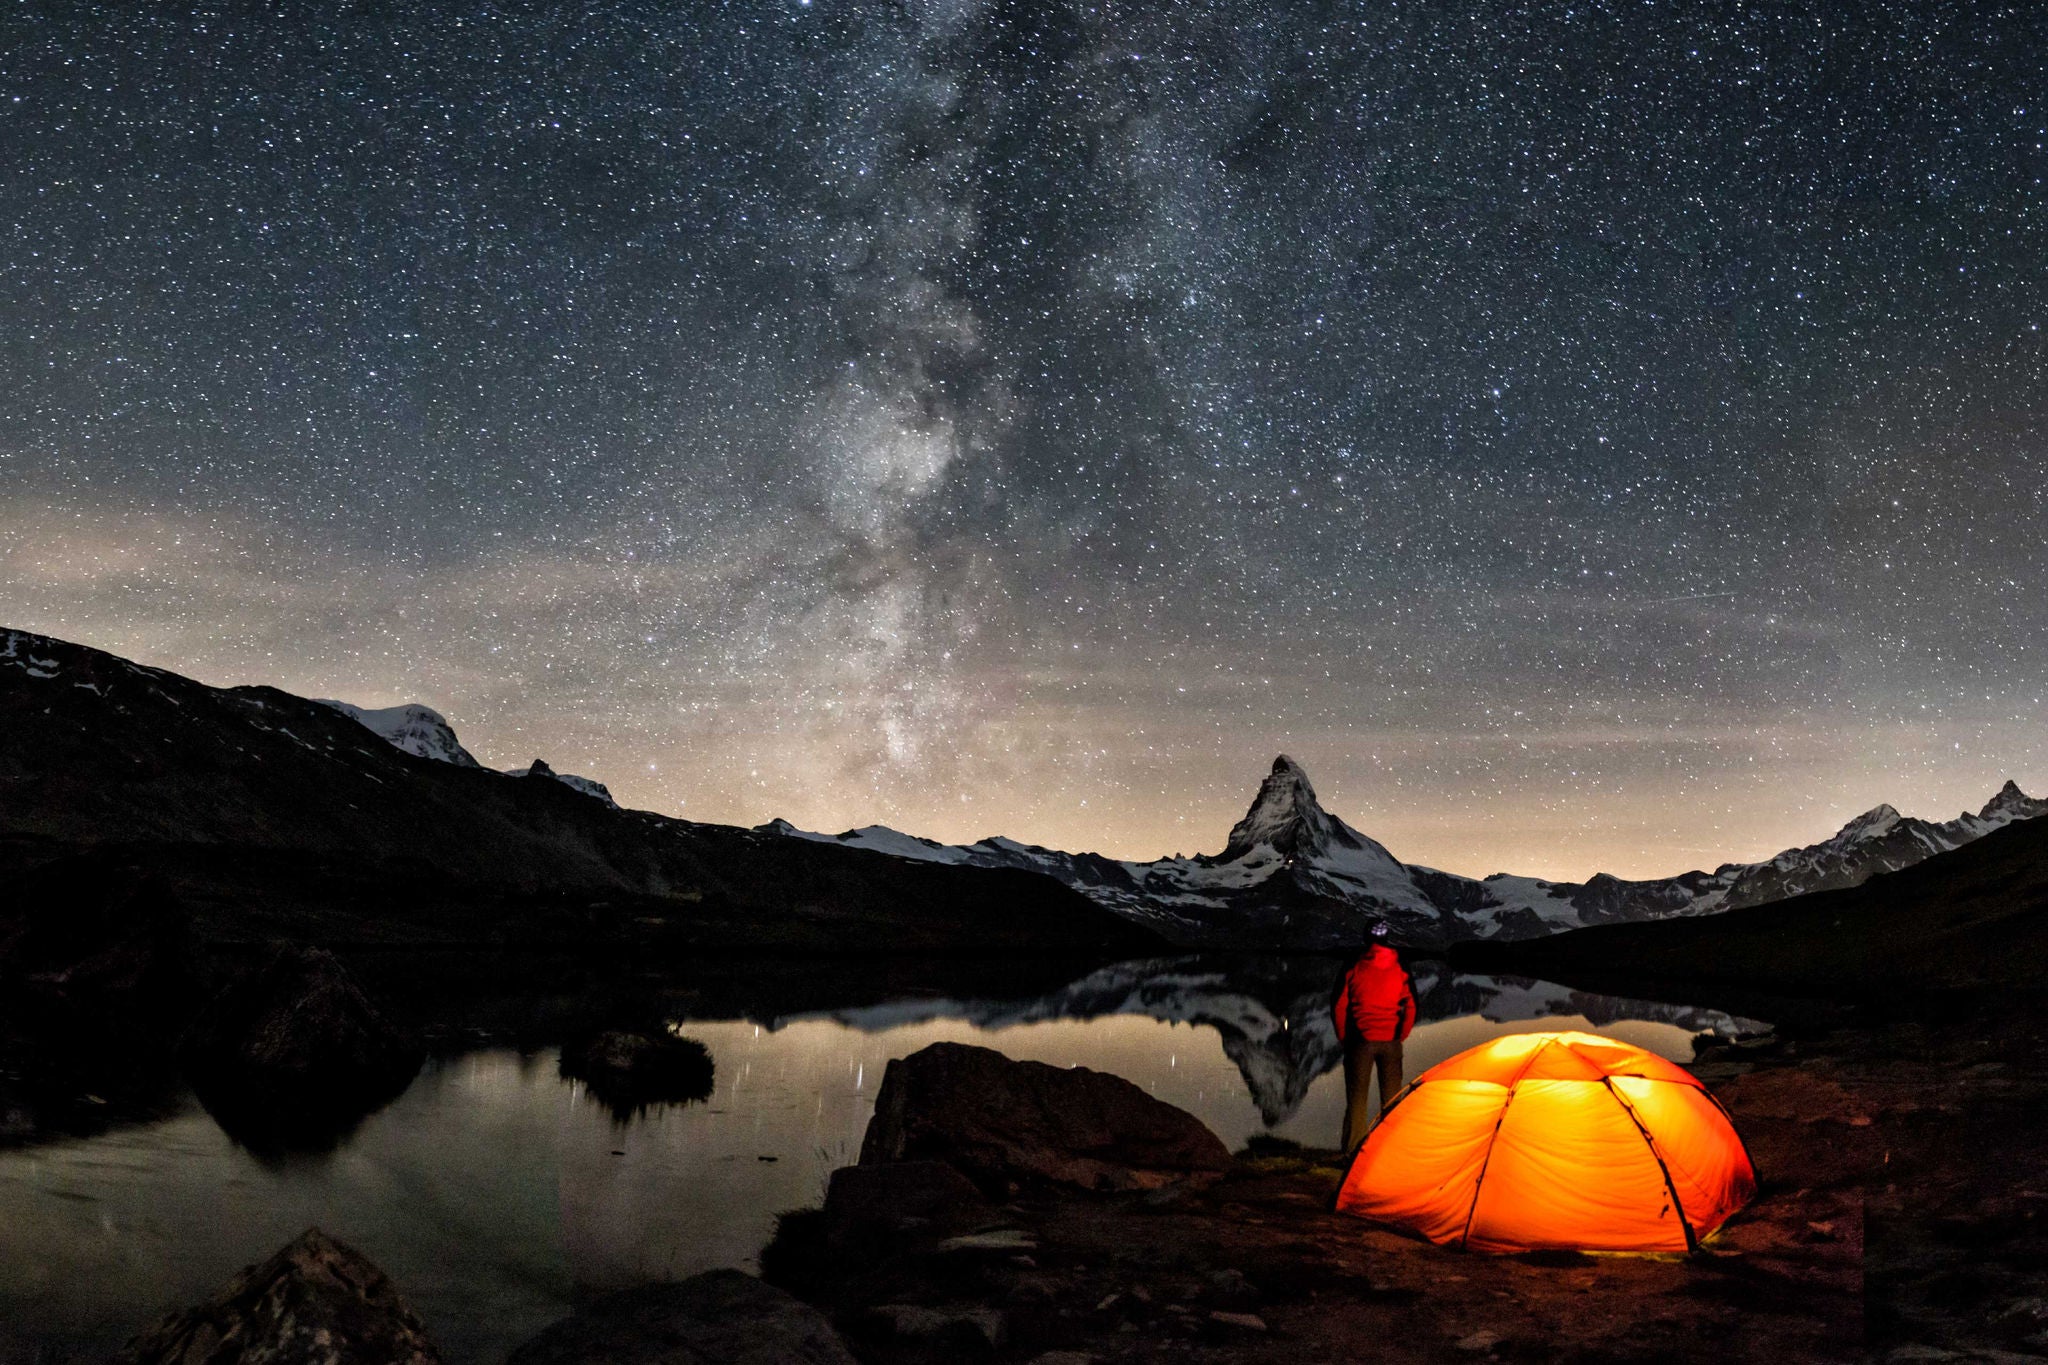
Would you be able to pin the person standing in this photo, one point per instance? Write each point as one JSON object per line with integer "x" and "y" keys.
{"x": 1374, "y": 1013}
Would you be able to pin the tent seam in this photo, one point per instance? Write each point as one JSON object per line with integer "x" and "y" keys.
{"x": 1754, "y": 1178}
{"x": 1692, "y": 1241}
{"x": 1465, "y": 1237}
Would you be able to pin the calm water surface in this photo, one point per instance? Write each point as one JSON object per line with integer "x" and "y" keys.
{"x": 496, "y": 1194}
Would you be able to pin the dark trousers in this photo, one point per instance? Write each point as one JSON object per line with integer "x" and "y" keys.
{"x": 1361, "y": 1057}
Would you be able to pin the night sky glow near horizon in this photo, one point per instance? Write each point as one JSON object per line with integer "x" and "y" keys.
{"x": 1587, "y": 436}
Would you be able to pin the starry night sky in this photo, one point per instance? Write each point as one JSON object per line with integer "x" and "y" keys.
{"x": 1587, "y": 436}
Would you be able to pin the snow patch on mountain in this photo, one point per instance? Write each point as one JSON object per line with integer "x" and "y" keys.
{"x": 20, "y": 654}
{"x": 878, "y": 839}
{"x": 1547, "y": 901}
{"x": 419, "y": 730}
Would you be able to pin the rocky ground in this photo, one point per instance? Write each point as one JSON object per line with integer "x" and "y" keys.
{"x": 1954, "y": 1177}
{"x": 316, "y": 1302}
{"x": 1900, "y": 1218}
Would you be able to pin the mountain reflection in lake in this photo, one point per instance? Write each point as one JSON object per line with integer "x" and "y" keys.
{"x": 494, "y": 1192}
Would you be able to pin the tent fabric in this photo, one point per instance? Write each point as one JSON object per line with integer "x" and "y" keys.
{"x": 1553, "y": 1140}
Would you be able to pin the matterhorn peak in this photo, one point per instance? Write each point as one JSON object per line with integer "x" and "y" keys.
{"x": 1285, "y": 816}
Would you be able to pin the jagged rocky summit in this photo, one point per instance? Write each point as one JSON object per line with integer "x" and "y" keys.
{"x": 587, "y": 785}
{"x": 1292, "y": 875}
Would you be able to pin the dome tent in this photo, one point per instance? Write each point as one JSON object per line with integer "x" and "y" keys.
{"x": 1553, "y": 1140}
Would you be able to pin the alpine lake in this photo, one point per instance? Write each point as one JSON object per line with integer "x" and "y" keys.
{"x": 497, "y": 1194}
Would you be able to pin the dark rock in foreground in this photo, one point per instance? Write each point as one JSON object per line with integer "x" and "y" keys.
{"x": 97, "y": 980}
{"x": 1000, "y": 1121}
{"x": 952, "y": 1330}
{"x": 294, "y": 1052}
{"x": 280, "y": 817}
{"x": 83, "y": 929}
{"x": 901, "y": 1200}
{"x": 630, "y": 1069}
{"x": 316, "y": 1302}
{"x": 723, "y": 1317}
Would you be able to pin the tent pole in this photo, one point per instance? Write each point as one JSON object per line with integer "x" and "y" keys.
{"x": 1692, "y": 1242}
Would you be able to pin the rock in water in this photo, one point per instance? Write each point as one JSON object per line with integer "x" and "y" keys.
{"x": 295, "y": 1053}
{"x": 317, "y": 1302}
{"x": 723, "y": 1317}
{"x": 630, "y": 1069}
{"x": 997, "y": 1120}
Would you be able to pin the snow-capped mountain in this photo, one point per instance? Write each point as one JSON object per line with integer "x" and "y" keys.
{"x": 424, "y": 732}
{"x": 1292, "y": 875}
{"x": 419, "y": 730}
{"x": 1879, "y": 840}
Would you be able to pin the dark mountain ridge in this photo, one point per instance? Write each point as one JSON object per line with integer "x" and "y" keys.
{"x": 320, "y": 819}
{"x": 273, "y": 815}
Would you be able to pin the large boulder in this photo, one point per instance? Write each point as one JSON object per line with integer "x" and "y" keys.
{"x": 316, "y": 1302}
{"x": 294, "y": 1053}
{"x": 1000, "y": 1120}
{"x": 723, "y": 1317}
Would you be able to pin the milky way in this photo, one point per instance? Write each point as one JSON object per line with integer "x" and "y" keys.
{"x": 1586, "y": 436}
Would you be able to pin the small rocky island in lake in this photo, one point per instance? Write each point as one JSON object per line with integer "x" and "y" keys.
{"x": 629, "y": 1069}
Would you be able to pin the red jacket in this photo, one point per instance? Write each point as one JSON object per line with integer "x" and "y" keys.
{"x": 1376, "y": 1000}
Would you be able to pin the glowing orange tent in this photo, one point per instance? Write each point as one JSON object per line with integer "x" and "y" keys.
{"x": 1541, "y": 1140}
